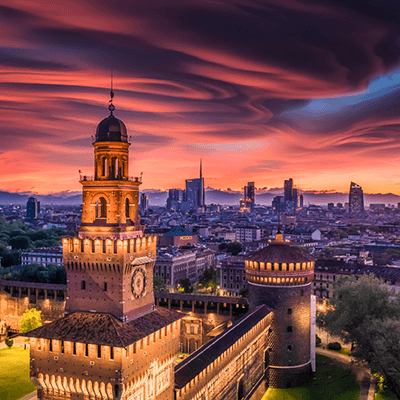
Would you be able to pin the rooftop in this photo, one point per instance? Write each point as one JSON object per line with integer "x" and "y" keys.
{"x": 105, "y": 329}
{"x": 280, "y": 252}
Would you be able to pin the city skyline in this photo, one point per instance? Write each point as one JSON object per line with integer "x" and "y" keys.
{"x": 259, "y": 92}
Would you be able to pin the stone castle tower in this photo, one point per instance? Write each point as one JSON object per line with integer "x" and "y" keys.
{"x": 113, "y": 342}
{"x": 280, "y": 276}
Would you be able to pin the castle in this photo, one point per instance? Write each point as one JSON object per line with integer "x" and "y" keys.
{"x": 114, "y": 343}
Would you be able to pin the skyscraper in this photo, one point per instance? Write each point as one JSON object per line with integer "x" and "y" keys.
{"x": 32, "y": 208}
{"x": 247, "y": 203}
{"x": 288, "y": 189}
{"x": 144, "y": 201}
{"x": 195, "y": 196}
{"x": 356, "y": 199}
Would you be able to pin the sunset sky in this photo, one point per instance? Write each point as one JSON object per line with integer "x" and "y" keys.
{"x": 260, "y": 90}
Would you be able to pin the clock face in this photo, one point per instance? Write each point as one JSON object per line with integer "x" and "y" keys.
{"x": 138, "y": 282}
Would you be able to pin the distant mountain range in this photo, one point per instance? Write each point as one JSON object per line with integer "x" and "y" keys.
{"x": 216, "y": 196}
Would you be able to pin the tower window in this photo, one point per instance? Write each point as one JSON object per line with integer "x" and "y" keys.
{"x": 302, "y": 292}
{"x": 289, "y": 311}
{"x": 98, "y": 351}
{"x": 289, "y": 328}
{"x": 111, "y": 353}
{"x": 62, "y": 346}
{"x": 83, "y": 285}
{"x": 104, "y": 171}
{"x": 289, "y": 347}
{"x": 86, "y": 350}
{"x": 74, "y": 348}
{"x": 101, "y": 208}
{"x": 50, "y": 345}
{"x": 105, "y": 287}
{"x": 127, "y": 208}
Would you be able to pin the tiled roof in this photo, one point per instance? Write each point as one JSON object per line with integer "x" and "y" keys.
{"x": 280, "y": 252}
{"x": 104, "y": 329}
{"x": 199, "y": 360}
{"x": 178, "y": 231}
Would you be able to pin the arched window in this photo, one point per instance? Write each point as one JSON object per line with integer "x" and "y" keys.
{"x": 104, "y": 171}
{"x": 127, "y": 208}
{"x": 116, "y": 168}
{"x": 101, "y": 208}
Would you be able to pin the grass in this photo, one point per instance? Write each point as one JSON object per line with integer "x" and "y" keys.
{"x": 345, "y": 351}
{"x": 330, "y": 383}
{"x": 384, "y": 394}
{"x": 14, "y": 373}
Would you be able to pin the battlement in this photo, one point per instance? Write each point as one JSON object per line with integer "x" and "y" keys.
{"x": 139, "y": 245}
{"x": 279, "y": 274}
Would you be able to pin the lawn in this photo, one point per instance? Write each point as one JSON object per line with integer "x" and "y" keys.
{"x": 14, "y": 373}
{"x": 330, "y": 383}
{"x": 385, "y": 395}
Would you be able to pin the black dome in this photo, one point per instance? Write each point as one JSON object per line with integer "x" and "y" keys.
{"x": 111, "y": 129}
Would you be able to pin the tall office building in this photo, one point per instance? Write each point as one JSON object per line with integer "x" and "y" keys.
{"x": 247, "y": 203}
{"x": 356, "y": 199}
{"x": 288, "y": 189}
{"x": 32, "y": 208}
{"x": 175, "y": 199}
{"x": 144, "y": 201}
{"x": 195, "y": 196}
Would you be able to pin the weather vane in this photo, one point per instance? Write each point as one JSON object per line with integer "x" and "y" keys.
{"x": 111, "y": 106}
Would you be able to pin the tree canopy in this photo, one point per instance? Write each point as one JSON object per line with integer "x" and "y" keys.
{"x": 366, "y": 312}
{"x": 159, "y": 283}
{"x": 31, "y": 319}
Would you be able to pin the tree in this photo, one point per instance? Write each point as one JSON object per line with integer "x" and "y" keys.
{"x": 9, "y": 342}
{"x": 31, "y": 319}
{"x": 20, "y": 242}
{"x": 365, "y": 312}
{"x": 186, "y": 285}
{"x": 159, "y": 283}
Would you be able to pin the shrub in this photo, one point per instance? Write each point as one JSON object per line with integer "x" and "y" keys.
{"x": 9, "y": 342}
{"x": 334, "y": 346}
{"x": 317, "y": 340}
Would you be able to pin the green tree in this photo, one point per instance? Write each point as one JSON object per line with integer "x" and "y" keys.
{"x": 366, "y": 312}
{"x": 186, "y": 285}
{"x": 20, "y": 242}
{"x": 159, "y": 283}
{"x": 31, "y": 319}
{"x": 235, "y": 248}
{"x": 9, "y": 342}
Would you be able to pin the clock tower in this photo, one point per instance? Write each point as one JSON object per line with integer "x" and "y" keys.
{"x": 110, "y": 264}
{"x": 112, "y": 343}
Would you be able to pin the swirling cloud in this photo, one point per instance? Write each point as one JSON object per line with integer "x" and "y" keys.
{"x": 261, "y": 90}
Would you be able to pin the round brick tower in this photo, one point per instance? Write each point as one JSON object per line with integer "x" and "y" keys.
{"x": 280, "y": 276}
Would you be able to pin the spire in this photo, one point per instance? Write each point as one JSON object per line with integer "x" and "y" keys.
{"x": 111, "y": 106}
{"x": 201, "y": 169}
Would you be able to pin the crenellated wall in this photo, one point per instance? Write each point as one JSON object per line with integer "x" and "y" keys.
{"x": 231, "y": 365}
{"x": 99, "y": 275}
